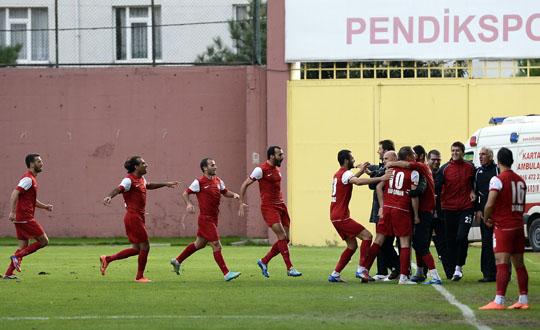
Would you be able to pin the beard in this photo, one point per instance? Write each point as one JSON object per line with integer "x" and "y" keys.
{"x": 351, "y": 166}
{"x": 277, "y": 163}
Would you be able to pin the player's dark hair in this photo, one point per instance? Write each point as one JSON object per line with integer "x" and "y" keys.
{"x": 459, "y": 145}
{"x": 405, "y": 152}
{"x": 419, "y": 150}
{"x": 30, "y": 158}
{"x": 131, "y": 162}
{"x": 204, "y": 163}
{"x": 343, "y": 155}
{"x": 433, "y": 152}
{"x": 505, "y": 157}
{"x": 387, "y": 145}
{"x": 271, "y": 151}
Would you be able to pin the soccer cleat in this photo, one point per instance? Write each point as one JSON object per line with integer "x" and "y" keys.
{"x": 407, "y": 281}
{"x": 456, "y": 278}
{"x": 103, "y": 264}
{"x": 232, "y": 275}
{"x": 380, "y": 277}
{"x": 364, "y": 276}
{"x": 11, "y": 277}
{"x": 517, "y": 305}
{"x": 293, "y": 272}
{"x": 264, "y": 268}
{"x": 418, "y": 278}
{"x": 175, "y": 265}
{"x": 144, "y": 280}
{"x": 492, "y": 305}
{"x": 433, "y": 281}
{"x": 336, "y": 279}
{"x": 393, "y": 275}
{"x": 15, "y": 262}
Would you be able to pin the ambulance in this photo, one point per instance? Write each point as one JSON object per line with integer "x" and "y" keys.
{"x": 522, "y": 136}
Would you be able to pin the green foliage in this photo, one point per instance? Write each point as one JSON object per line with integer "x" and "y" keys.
{"x": 9, "y": 54}
{"x": 241, "y": 33}
{"x": 533, "y": 72}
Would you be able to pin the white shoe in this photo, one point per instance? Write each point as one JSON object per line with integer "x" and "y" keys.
{"x": 380, "y": 277}
{"x": 407, "y": 281}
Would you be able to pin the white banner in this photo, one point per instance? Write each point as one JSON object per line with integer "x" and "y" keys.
{"x": 348, "y": 30}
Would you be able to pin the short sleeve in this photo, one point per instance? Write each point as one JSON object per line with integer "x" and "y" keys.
{"x": 145, "y": 182}
{"x": 221, "y": 185}
{"x": 346, "y": 177}
{"x": 415, "y": 177}
{"x": 125, "y": 185}
{"x": 194, "y": 187}
{"x": 24, "y": 184}
{"x": 257, "y": 174}
{"x": 495, "y": 184}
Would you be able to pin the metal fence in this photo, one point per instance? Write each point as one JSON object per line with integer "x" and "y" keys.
{"x": 146, "y": 32}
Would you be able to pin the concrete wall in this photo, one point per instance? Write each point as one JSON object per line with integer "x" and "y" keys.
{"x": 86, "y": 122}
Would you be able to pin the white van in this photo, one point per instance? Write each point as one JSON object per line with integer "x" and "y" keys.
{"x": 522, "y": 136}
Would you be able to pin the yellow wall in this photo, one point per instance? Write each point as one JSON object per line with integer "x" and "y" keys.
{"x": 325, "y": 116}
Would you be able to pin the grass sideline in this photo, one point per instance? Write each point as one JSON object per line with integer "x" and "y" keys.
{"x": 73, "y": 294}
{"x": 173, "y": 241}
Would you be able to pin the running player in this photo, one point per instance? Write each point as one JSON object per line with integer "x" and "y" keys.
{"x": 209, "y": 189}
{"x": 273, "y": 208}
{"x": 347, "y": 228}
{"x": 133, "y": 189}
{"x": 23, "y": 203}
{"x": 504, "y": 210}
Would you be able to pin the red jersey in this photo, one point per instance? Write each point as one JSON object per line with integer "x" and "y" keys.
{"x": 269, "y": 179}
{"x": 395, "y": 189}
{"x": 427, "y": 200}
{"x": 133, "y": 189}
{"x": 510, "y": 204}
{"x": 341, "y": 195}
{"x": 26, "y": 204}
{"x": 208, "y": 194}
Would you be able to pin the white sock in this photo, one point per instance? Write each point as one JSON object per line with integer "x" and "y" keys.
{"x": 523, "y": 298}
{"x": 335, "y": 274}
{"x": 403, "y": 278}
{"x": 434, "y": 274}
{"x": 361, "y": 269}
{"x": 459, "y": 269}
{"x": 499, "y": 299}
{"x": 419, "y": 271}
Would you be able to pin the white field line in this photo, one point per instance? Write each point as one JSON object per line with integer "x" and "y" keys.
{"x": 468, "y": 313}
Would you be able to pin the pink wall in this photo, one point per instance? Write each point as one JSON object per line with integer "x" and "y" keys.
{"x": 86, "y": 122}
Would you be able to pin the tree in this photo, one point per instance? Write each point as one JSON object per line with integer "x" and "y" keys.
{"x": 9, "y": 54}
{"x": 522, "y": 72}
{"x": 241, "y": 33}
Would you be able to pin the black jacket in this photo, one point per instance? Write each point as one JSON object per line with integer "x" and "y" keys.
{"x": 482, "y": 176}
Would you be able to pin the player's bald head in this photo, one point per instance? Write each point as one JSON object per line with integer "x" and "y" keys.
{"x": 390, "y": 156}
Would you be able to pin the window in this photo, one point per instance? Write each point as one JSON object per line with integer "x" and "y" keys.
{"x": 134, "y": 33}
{"x": 27, "y": 27}
{"x": 241, "y": 12}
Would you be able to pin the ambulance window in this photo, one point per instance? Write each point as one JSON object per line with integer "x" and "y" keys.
{"x": 469, "y": 156}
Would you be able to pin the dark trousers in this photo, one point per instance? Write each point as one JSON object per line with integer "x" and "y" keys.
{"x": 439, "y": 239}
{"x": 457, "y": 228}
{"x": 487, "y": 258}
{"x": 387, "y": 257}
{"x": 422, "y": 234}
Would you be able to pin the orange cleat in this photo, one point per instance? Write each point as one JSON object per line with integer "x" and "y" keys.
{"x": 103, "y": 264}
{"x": 143, "y": 279}
{"x": 492, "y": 305}
{"x": 519, "y": 305}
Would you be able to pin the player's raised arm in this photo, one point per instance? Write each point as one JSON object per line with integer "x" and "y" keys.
{"x": 157, "y": 185}
{"x": 242, "y": 194}
{"x": 363, "y": 181}
{"x": 114, "y": 192}
{"x": 398, "y": 163}
{"x": 230, "y": 194}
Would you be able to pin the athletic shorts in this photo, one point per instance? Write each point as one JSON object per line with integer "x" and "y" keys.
{"x": 348, "y": 228}
{"x": 208, "y": 228}
{"x": 395, "y": 222}
{"x": 26, "y": 231}
{"x": 509, "y": 240}
{"x": 135, "y": 228}
{"x": 275, "y": 213}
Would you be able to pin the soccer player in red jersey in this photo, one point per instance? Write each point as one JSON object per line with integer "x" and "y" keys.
{"x": 395, "y": 211}
{"x": 273, "y": 208}
{"x": 133, "y": 189}
{"x": 208, "y": 189}
{"x": 23, "y": 203}
{"x": 504, "y": 210}
{"x": 347, "y": 228}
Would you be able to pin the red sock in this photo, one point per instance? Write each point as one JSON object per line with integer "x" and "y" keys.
{"x": 284, "y": 250}
{"x": 371, "y": 255}
{"x": 428, "y": 260}
{"x": 187, "y": 252}
{"x": 143, "y": 257}
{"x": 404, "y": 260}
{"x": 344, "y": 260}
{"x": 274, "y": 251}
{"x": 29, "y": 250}
{"x": 523, "y": 280}
{"x": 364, "y": 249}
{"x": 420, "y": 261}
{"x": 218, "y": 257}
{"x": 122, "y": 255}
{"x": 503, "y": 277}
{"x": 11, "y": 268}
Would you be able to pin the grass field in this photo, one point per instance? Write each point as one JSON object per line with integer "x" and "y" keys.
{"x": 73, "y": 294}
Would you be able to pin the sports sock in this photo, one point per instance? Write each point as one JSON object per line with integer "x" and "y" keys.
{"x": 344, "y": 260}
{"x": 371, "y": 255}
{"x": 335, "y": 274}
{"x": 499, "y": 299}
{"x": 284, "y": 250}
{"x": 523, "y": 280}
{"x": 29, "y": 250}
{"x": 503, "y": 276}
{"x": 11, "y": 268}
{"x": 218, "y": 257}
{"x": 403, "y": 278}
{"x": 428, "y": 260}
{"x": 364, "y": 250}
{"x": 404, "y": 260}
{"x": 274, "y": 251}
{"x": 361, "y": 269}
{"x": 459, "y": 269}
{"x": 189, "y": 250}
{"x": 434, "y": 273}
{"x": 143, "y": 257}
{"x": 523, "y": 298}
{"x": 122, "y": 255}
